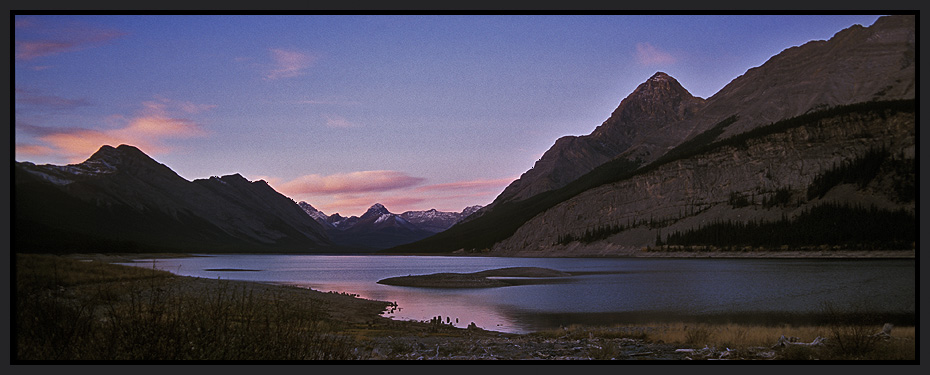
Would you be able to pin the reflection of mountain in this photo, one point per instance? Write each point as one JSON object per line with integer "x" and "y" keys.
{"x": 121, "y": 200}
{"x": 820, "y": 133}
{"x": 379, "y": 229}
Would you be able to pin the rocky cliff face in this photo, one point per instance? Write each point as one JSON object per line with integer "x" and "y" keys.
{"x": 122, "y": 200}
{"x": 694, "y": 191}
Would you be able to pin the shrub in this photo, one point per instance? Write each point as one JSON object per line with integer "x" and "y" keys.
{"x": 697, "y": 335}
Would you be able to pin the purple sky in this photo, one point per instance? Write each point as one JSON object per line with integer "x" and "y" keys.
{"x": 414, "y": 112}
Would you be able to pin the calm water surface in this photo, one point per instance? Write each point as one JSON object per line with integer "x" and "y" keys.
{"x": 639, "y": 289}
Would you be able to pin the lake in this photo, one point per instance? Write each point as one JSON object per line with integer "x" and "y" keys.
{"x": 626, "y": 290}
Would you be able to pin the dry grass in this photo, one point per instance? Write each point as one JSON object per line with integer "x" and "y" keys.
{"x": 73, "y": 310}
{"x": 46, "y": 271}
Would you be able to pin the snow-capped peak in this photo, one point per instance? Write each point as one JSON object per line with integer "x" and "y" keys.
{"x": 376, "y": 209}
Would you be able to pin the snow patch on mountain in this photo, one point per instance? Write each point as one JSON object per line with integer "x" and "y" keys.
{"x": 383, "y": 218}
{"x": 431, "y": 220}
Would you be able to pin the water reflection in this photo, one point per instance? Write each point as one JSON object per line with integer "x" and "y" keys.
{"x": 460, "y": 306}
{"x": 625, "y": 290}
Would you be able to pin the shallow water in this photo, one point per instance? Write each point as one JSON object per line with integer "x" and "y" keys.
{"x": 624, "y": 290}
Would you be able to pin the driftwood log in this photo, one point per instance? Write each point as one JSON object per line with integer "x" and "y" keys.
{"x": 886, "y": 331}
{"x": 787, "y": 341}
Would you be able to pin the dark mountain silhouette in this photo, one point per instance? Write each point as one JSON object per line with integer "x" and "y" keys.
{"x": 120, "y": 199}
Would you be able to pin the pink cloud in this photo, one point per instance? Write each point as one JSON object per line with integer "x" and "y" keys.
{"x": 32, "y": 150}
{"x": 77, "y": 145}
{"x": 31, "y": 50}
{"x": 647, "y": 54}
{"x": 337, "y": 197}
{"x": 148, "y": 131}
{"x": 37, "y": 39}
{"x": 287, "y": 64}
{"x": 354, "y": 182}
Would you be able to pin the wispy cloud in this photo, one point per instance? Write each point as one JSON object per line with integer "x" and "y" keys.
{"x": 149, "y": 130}
{"x": 473, "y": 185}
{"x": 354, "y": 182}
{"x": 195, "y": 108}
{"x": 336, "y": 121}
{"x": 288, "y": 63}
{"x": 32, "y": 98}
{"x": 35, "y": 39}
{"x": 329, "y": 102}
{"x": 647, "y": 54}
{"x": 161, "y": 106}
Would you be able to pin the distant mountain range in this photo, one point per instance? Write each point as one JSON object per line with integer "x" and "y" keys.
{"x": 783, "y": 156}
{"x": 122, "y": 200}
{"x": 379, "y": 229}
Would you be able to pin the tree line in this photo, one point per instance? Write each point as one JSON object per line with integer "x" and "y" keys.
{"x": 844, "y": 225}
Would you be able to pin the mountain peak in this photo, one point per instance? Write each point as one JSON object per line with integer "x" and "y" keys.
{"x": 659, "y": 100}
{"x": 661, "y": 86}
{"x": 376, "y": 209}
{"x": 121, "y": 151}
{"x": 234, "y": 177}
{"x": 660, "y": 76}
{"x": 110, "y": 159}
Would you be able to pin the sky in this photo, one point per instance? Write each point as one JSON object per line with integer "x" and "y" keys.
{"x": 343, "y": 111}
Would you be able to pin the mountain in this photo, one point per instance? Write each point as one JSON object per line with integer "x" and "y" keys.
{"x": 122, "y": 200}
{"x": 858, "y": 64}
{"x": 378, "y": 228}
{"x": 841, "y": 178}
{"x": 825, "y": 130}
{"x": 317, "y": 215}
{"x": 437, "y": 221}
{"x": 658, "y": 101}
